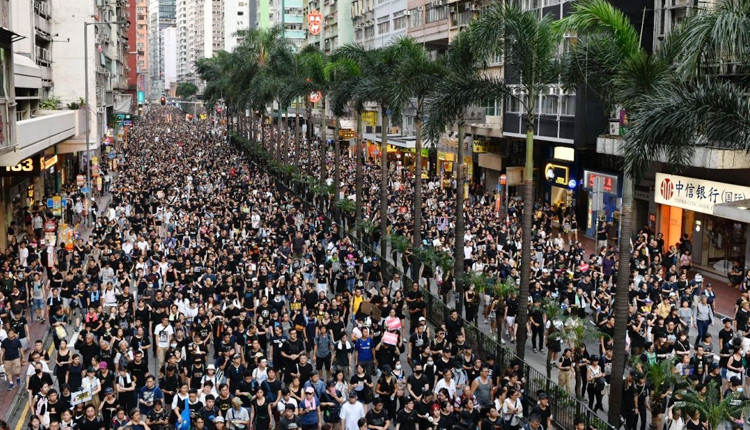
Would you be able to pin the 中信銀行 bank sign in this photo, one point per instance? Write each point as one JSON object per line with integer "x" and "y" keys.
{"x": 697, "y": 195}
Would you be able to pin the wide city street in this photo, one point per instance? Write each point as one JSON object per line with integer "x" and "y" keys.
{"x": 390, "y": 215}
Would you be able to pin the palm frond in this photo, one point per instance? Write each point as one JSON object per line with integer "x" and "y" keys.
{"x": 453, "y": 95}
{"x": 678, "y": 116}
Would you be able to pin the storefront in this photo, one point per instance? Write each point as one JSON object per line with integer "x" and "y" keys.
{"x": 559, "y": 185}
{"x": 602, "y": 204}
{"x": 689, "y": 206}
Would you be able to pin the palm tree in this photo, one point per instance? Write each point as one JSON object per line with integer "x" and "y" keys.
{"x": 447, "y": 105}
{"x": 661, "y": 379}
{"x": 613, "y": 48}
{"x": 313, "y": 63}
{"x": 706, "y": 98}
{"x": 378, "y": 67}
{"x": 344, "y": 93}
{"x": 529, "y": 45}
{"x": 414, "y": 81}
{"x": 339, "y": 71}
{"x": 712, "y": 407}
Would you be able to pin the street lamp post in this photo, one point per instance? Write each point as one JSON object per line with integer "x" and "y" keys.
{"x": 86, "y": 98}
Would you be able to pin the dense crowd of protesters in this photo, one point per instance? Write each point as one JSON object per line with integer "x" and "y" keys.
{"x": 207, "y": 294}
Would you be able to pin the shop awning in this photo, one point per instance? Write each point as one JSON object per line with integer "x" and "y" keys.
{"x": 738, "y": 210}
{"x": 76, "y": 144}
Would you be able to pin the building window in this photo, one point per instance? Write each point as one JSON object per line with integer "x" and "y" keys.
{"x": 512, "y": 104}
{"x": 551, "y": 2}
{"x": 435, "y": 14}
{"x": 549, "y": 105}
{"x": 370, "y": 31}
{"x": 531, "y": 4}
{"x": 491, "y": 108}
{"x": 568, "y": 105}
{"x": 415, "y": 19}
{"x": 399, "y": 23}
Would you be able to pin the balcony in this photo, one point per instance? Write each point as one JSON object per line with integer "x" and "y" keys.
{"x": 42, "y": 26}
{"x": 705, "y": 157}
{"x": 37, "y": 134}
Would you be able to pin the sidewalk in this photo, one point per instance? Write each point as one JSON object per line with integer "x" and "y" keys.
{"x": 13, "y": 403}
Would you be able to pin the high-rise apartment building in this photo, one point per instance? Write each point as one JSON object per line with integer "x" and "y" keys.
{"x": 286, "y": 14}
{"x": 137, "y": 59}
{"x": 213, "y": 27}
{"x": 236, "y": 20}
{"x": 337, "y": 26}
{"x": 162, "y": 14}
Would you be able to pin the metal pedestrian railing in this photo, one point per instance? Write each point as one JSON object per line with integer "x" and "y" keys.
{"x": 566, "y": 408}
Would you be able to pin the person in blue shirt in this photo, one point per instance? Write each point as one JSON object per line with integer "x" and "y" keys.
{"x": 309, "y": 411}
{"x": 363, "y": 348}
{"x": 148, "y": 394}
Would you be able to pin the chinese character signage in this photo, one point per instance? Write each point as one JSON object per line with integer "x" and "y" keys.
{"x": 609, "y": 182}
{"x": 314, "y": 20}
{"x": 696, "y": 194}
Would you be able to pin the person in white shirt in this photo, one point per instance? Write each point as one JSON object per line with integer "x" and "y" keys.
{"x": 446, "y": 382}
{"x": 286, "y": 399}
{"x": 163, "y": 333}
{"x": 351, "y": 412}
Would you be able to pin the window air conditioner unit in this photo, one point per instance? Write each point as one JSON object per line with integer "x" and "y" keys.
{"x": 453, "y": 9}
{"x": 407, "y": 12}
{"x": 474, "y": 7}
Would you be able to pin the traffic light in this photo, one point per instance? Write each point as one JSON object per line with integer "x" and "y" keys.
{"x": 163, "y": 101}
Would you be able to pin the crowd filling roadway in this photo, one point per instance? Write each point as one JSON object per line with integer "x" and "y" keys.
{"x": 206, "y": 297}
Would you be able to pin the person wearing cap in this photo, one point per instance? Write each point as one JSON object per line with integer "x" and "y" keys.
{"x": 219, "y": 423}
{"x": 310, "y": 413}
{"x": 351, "y": 412}
{"x": 237, "y": 417}
{"x": 109, "y": 404}
{"x": 91, "y": 383}
{"x": 543, "y": 410}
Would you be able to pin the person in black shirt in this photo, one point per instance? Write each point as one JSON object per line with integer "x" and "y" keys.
{"x": 377, "y": 417}
{"x": 406, "y": 418}
{"x": 536, "y": 321}
{"x": 543, "y": 410}
{"x": 417, "y": 382}
{"x": 90, "y": 421}
{"x": 453, "y": 326}
{"x": 138, "y": 369}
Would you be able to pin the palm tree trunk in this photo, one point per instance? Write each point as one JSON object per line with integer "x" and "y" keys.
{"x": 286, "y": 135}
{"x": 252, "y": 127}
{"x": 262, "y": 134}
{"x": 358, "y": 177}
{"x": 384, "y": 187}
{"x": 417, "y": 239}
{"x": 621, "y": 303}
{"x": 323, "y": 142}
{"x": 336, "y": 174}
{"x": 297, "y": 137}
{"x": 528, "y": 215}
{"x": 458, "y": 266}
